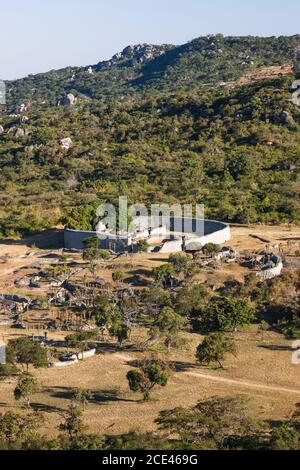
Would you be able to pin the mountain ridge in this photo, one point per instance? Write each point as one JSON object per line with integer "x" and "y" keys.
{"x": 147, "y": 68}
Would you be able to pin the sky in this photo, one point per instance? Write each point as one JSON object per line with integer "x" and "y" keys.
{"x": 40, "y": 35}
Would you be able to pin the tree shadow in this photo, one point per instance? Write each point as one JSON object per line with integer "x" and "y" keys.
{"x": 64, "y": 393}
{"x": 111, "y": 348}
{"x": 141, "y": 272}
{"x": 45, "y": 408}
{"x": 99, "y": 397}
{"x": 137, "y": 281}
{"x": 275, "y": 347}
{"x": 289, "y": 239}
{"x": 181, "y": 366}
{"x": 48, "y": 239}
{"x": 105, "y": 396}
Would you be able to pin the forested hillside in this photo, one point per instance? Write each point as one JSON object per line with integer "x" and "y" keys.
{"x": 158, "y": 123}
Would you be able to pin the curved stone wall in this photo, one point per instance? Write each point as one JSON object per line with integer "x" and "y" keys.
{"x": 203, "y": 231}
{"x": 268, "y": 274}
{"x": 74, "y": 239}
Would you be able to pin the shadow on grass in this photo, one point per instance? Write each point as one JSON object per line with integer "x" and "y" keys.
{"x": 99, "y": 397}
{"x": 48, "y": 239}
{"x": 137, "y": 281}
{"x": 180, "y": 366}
{"x": 108, "y": 348}
{"x": 141, "y": 272}
{"x": 106, "y": 396}
{"x": 45, "y": 408}
{"x": 275, "y": 347}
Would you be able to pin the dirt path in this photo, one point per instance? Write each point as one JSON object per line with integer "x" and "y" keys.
{"x": 125, "y": 357}
{"x": 224, "y": 380}
{"x": 270, "y": 388}
{"x": 15, "y": 267}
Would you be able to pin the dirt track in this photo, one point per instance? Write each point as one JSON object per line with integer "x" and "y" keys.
{"x": 270, "y": 388}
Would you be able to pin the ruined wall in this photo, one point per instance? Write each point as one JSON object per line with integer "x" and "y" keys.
{"x": 208, "y": 231}
{"x": 270, "y": 273}
{"x": 74, "y": 239}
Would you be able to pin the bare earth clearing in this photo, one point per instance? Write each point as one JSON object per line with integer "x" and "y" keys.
{"x": 263, "y": 369}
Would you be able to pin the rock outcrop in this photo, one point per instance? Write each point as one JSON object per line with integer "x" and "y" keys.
{"x": 66, "y": 143}
{"x": 143, "y": 53}
{"x": 68, "y": 100}
{"x": 20, "y": 133}
{"x": 286, "y": 118}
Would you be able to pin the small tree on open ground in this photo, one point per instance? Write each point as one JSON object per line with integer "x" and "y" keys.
{"x": 211, "y": 249}
{"x": 26, "y": 352}
{"x": 213, "y": 349}
{"x": 26, "y": 387}
{"x": 142, "y": 246}
{"x": 73, "y": 425}
{"x": 82, "y": 397}
{"x": 149, "y": 374}
{"x": 118, "y": 276}
{"x": 163, "y": 274}
{"x": 168, "y": 324}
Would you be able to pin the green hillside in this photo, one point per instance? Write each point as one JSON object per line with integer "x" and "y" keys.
{"x": 147, "y": 68}
{"x": 152, "y": 124}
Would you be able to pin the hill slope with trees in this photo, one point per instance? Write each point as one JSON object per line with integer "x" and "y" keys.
{"x": 155, "y": 123}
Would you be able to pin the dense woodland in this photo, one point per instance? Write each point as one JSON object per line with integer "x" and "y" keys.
{"x": 155, "y": 124}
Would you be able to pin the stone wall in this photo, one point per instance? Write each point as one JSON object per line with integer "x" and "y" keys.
{"x": 205, "y": 231}
{"x": 74, "y": 239}
{"x": 271, "y": 273}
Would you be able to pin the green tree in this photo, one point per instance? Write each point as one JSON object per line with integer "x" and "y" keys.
{"x": 182, "y": 264}
{"x": 223, "y": 314}
{"x": 168, "y": 324}
{"x": 8, "y": 370}
{"x": 80, "y": 339}
{"x": 73, "y": 425}
{"x": 285, "y": 437}
{"x": 94, "y": 254}
{"x": 163, "y": 274}
{"x": 82, "y": 397}
{"x": 217, "y": 423}
{"x": 26, "y": 387}
{"x": 211, "y": 249}
{"x": 147, "y": 376}
{"x": 26, "y": 351}
{"x": 15, "y": 427}
{"x": 118, "y": 328}
{"x": 142, "y": 246}
{"x": 214, "y": 348}
{"x": 232, "y": 314}
{"x": 154, "y": 299}
{"x": 118, "y": 276}
{"x": 113, "y": 319}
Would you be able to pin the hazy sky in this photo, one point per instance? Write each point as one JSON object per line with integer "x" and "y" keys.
{"x": 39, "y": 35}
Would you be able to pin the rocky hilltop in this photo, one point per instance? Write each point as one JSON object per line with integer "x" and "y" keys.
{"x": 143, "y": 68}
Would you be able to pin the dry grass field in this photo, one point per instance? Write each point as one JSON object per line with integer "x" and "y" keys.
{"x": 262, "y": 370}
